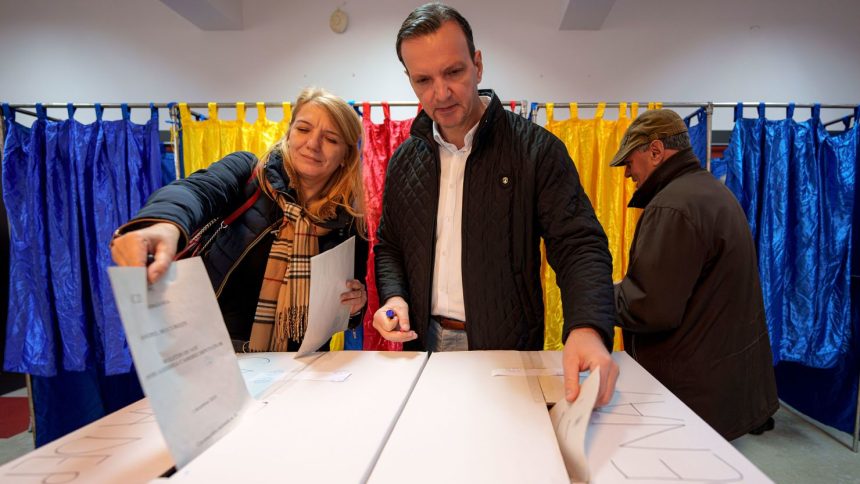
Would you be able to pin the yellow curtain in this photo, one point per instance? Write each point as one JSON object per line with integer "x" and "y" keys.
{"x": 205, "y": 142}
{"x": 591, "y": 144}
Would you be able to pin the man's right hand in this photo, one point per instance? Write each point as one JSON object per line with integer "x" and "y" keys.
{"x": 132, "y": 248}
{"x": 395, "y": 328}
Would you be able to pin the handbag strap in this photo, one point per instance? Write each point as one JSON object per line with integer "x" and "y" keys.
{"x": 245, "y": 206}
{"x": 194, "y": 247}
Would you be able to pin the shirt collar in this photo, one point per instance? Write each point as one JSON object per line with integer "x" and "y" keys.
{"x": 467, "y": 140}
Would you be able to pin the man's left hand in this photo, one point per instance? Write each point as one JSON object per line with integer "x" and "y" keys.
{"x": 584, "y": 350}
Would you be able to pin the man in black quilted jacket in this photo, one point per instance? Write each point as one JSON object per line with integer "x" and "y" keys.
{"x": 467, "y": 199}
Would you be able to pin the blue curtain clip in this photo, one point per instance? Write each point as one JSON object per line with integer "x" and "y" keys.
{"x": 8, "y": 112}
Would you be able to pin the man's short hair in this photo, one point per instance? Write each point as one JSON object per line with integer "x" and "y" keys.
{"x": 678, "y": 142}
{"x": 428, "y": 18}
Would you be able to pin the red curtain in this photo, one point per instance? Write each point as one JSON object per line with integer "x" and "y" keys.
{"x": 380, "y": 141}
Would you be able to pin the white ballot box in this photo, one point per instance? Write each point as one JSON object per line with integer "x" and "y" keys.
{"x": 125, "y": 446}
{"x": 264, "y": 373}
{"x": 326, "y": 424}
{"x": 464, "y": 425}
{"x": 386, "y": 417}
{"x": 647, "y": 435}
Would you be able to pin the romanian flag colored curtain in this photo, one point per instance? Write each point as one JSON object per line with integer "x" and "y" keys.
{"x": 698, "y": 132}
{"x": 591, "y": 144}
{"x": 380, "y": 141}
{"x": 66, "y": 187}
{"x": 797, "y": 184}
{"x": 207, "y": 141}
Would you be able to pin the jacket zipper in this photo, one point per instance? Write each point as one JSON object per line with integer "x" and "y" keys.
{"x": 463, "y": 226}
{"x": 464, "y": 212}
{"x": 435, "y": 223}
{"x": 269, "y": 230}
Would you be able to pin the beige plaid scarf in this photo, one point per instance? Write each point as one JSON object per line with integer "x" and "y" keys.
{"x": 282, "y": 309}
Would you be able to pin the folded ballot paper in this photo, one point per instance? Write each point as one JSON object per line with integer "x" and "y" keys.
{"x": 570, "y": 421}
{"x": 182, "y": 354}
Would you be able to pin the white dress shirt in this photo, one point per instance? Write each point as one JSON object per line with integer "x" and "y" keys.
{"x": 447, "y": 292}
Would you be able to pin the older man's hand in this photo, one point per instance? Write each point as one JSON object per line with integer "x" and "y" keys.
{"x": 584, "y": 350}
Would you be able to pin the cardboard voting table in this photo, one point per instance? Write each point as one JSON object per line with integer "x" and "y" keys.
{"x": 127, "y": 446}
{"x": 647, "y": 435}
{"x": 463, "y": 425}
{"x": 386, "y": 417}
{"x": 325, "y": 424}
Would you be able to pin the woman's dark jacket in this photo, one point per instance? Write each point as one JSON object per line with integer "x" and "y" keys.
{"x": 236, "y": 261}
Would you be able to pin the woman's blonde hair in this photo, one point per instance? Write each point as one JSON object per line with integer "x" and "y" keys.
{"x": 344, "y": 188}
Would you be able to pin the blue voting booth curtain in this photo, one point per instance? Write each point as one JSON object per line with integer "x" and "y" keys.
{"x": 699, "y": 140}
{"x": 698, "y": 132}
{"x": 796, "y": 183}
{"x": 66, "y": 187}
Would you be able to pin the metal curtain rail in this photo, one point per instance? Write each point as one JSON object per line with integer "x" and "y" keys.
{"x": 19, "y": 107}
{"x": 785, "y": 105}
{"x": 268, "y": 104}
{"x": 844, "y": 119}
{"x": 560, "y": 105}
{"x": 565, "y": 105}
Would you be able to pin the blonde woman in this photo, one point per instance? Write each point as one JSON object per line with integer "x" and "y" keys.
{"x": 309, "y": 200}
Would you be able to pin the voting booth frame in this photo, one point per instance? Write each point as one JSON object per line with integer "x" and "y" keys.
{"x": 530, "y": 110}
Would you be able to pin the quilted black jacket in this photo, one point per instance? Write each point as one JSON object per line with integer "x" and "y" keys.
{"x": 236, "y": 261}
{"x": 520, "y": 185}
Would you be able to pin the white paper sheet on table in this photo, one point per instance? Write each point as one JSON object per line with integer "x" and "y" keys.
{"x": 570, "y": 421}
{"x": 182, "y": 354}
{"x": 326, "y": 315}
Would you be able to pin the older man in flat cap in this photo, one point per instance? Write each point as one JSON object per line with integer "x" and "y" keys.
{"x": 691, "y": 303}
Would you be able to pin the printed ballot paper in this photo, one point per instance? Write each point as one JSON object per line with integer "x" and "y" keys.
{"x": 326, "y": 315}
{"x": 570, "y": 421}
{"x": 182, "y": 354}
